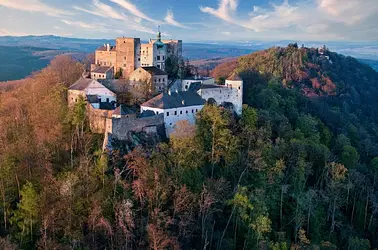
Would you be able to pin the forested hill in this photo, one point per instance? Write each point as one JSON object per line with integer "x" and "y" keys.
{"x": 315, "y": 72}
{"x": 340, "y": 90}
{"x": 295, "y": 171}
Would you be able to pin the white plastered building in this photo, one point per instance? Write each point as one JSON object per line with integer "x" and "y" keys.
{"x": 231, "y": 92}
{"x": 88, "y": 89}
{"x": 176, "y": 106}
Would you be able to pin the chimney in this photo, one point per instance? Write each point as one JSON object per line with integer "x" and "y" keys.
{"x": 108, "y": 47}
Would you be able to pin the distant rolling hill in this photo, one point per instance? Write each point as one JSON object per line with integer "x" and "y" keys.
{"x": 372, "y": 63}
{"x": 31, "y": 53}
{"x": 20, "y": 62}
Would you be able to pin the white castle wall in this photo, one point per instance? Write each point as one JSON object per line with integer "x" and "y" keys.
{"x": 232, "y": 92}
{"x": 172, "y": 116}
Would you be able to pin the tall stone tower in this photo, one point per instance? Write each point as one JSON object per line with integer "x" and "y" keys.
{"x": 235, "y": 83}
{"x": 128, "y": 55}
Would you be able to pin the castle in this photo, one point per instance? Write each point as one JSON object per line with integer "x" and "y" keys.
{"x": 129, "y": 54}
{"x": 176, "y": 102}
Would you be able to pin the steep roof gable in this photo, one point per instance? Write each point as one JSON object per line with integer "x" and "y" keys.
{"x": 81, "y": 84}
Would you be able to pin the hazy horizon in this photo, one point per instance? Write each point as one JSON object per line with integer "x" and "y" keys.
{"x": 194, "y": 21}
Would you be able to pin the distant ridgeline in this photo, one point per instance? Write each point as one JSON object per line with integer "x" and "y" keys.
{"x": 20, "y": 62}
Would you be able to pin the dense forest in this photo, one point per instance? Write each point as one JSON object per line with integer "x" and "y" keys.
{"x": 298, "y": 170}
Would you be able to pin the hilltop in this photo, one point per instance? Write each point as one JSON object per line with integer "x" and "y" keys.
{"x": 316, "y": 73}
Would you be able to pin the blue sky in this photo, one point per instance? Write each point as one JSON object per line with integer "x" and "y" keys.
{"x": 194, "y": 20}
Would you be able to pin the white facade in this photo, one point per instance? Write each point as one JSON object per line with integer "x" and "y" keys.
{"x": 103, "y": 93}
{"x": 232, "y": 92}
{"x": 153, "y": 54}
{"x": 174, "y": 115}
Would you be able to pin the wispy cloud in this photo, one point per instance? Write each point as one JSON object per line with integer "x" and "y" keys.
{"x": 101, "y": 9}
{"x": 33, "y": 6}
{"x": 327, "y": 19}
{"x": 133, "y": 9}
{"x": 169, "y": 19}
{"x": 351, "y": 12}
{"x": 225, "y": 8}
{"x": 5, "y": 32}
{"x": 81, "y": 25}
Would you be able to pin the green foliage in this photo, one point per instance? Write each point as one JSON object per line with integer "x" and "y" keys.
{"x": 358, "y": 244}
{"x": 26, "y": 215}
{"x": 78, "y": 114}
{"x": 249, "y": 118}
{"x": 118, "y": 74}
{"x": 349, "y": 156}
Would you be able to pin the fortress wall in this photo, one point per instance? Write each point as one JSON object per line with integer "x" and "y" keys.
{"x": 98, "y": 119}
{"x": 150, "y": 125}
{"x": 221, "y": 95}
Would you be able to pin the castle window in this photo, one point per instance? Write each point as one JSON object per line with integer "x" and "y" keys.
{"x": 175, "y": 112}
{"x": 158, "y": 58}
{"x": 163, "y": 80}
{"x": 181, "y": 112}
{"x": 107, "y": 99}
{"x": 196, "y": 110}
{"x": 239, "y": 87}
{"x": 163, "y": 58}
{"x": 124, "y": 58}
{"x": 159, "y": 79}
{"x": 124, "y": 65}
{"x": 187, "y": 112}
{"x": 192, "y": 111}
{"x": 167, "y": 113}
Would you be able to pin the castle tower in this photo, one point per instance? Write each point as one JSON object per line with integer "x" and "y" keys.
{"x": 160, "y": 52}
{"x": 128, "y": 55}
{"x": 236, "y": 84}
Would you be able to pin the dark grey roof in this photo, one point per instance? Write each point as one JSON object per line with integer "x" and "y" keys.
{"x": 198, "y": 78}
{"x": 195, "y": 86}
{"x": 115, "y": 85}
{"x": 93, "y": 99}
{"x": 154, "y": 70}
{"x": 81, "y": 84}
{"x": 175, "y": 100}
{"x": 123, "y": 110}
{"x": 102, "y": 69}
{"x": 103, "y": 48}
{"x": 106, "y": 106}
{"x": 212, "y": 86}
{"x": 147, "y": 113}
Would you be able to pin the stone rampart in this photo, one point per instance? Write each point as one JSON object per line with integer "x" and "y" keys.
{"x": 150, "y": 125}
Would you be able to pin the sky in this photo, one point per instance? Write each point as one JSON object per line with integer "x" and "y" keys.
{"x": 194, "y": 20}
